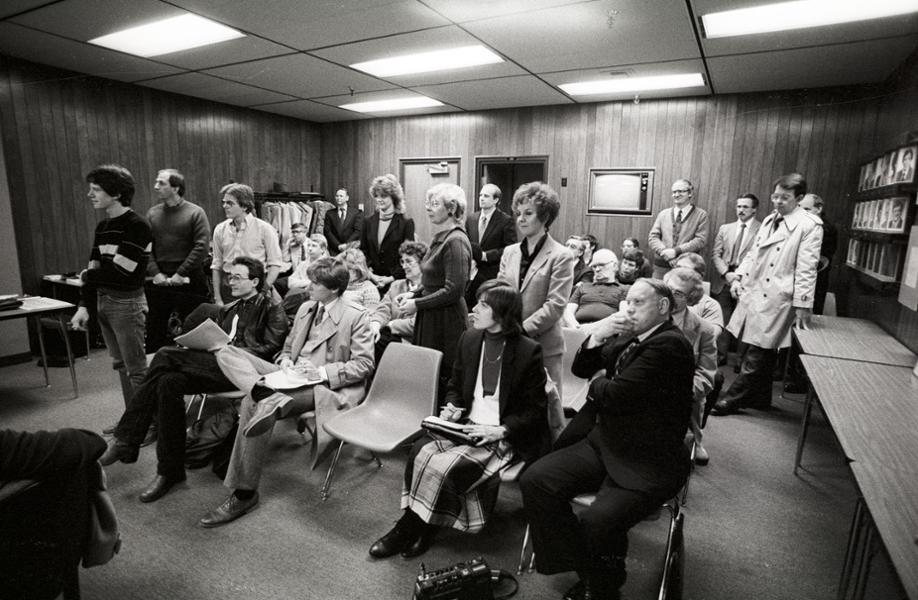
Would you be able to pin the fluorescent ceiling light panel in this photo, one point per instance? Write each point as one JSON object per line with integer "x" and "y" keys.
{"x": 800, "y": 14}
{"x": 633, "y": 84}
{"x": 425, "y": 62}
{"x": 376, "y": 106}
{"x": 168, "y": 35}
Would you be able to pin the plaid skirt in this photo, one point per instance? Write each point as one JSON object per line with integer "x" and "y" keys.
{"x": 455, "y": 485}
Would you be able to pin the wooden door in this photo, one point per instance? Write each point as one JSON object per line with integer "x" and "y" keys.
{"x": 417, "y": 176}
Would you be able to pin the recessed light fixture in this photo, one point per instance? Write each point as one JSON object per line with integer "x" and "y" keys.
{"x": 800, "y": 14}
{"x": 168, "y": 35}
{"x": 633, "y": 84}
{"x": 376, "y": 106}
{"x": 425, "y": 62}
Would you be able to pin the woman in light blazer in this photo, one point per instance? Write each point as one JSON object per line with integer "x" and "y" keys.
{"x": 541, "y": 269}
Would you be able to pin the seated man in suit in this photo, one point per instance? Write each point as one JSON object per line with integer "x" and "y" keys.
{"x": 330, "y": 343}
{"x": 594, "y": 300}
{"x": 625, "y": 445}
{"x": 260, "y": 326}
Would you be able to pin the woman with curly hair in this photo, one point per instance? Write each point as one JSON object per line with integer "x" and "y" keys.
{"x": 385, "y": 231}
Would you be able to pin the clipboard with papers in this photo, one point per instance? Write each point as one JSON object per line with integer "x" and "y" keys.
{"x": 207, "y": 336}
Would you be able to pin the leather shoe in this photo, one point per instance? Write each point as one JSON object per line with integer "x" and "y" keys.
{"x": 422, "y": 544}
{"x": 267, "y": 412}
{"x": 701, "y": 455}
{"x": 119, "y": 451}
{"x": 725, "y": 407}
{"x": 591, "y": 589}
{"x": 150, "y": 437}
{"x": 397, "y": 540}
{"x": 230, "y": 510}
{"x": 158, "y": 488}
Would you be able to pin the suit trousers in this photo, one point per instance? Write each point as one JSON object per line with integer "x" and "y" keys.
{"x": 752, "y": 387}
{"x": 563, "y": 541}
{"x": 249, "y": 454}
{"x": 173, "y": 372}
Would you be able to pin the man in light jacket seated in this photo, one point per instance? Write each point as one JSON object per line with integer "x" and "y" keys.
{"x": 329, "y": 346}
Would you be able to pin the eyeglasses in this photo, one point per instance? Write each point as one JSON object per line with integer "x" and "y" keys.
{"x": 435, "y": 203}
{"x": 782, "y": 196}
{"x": 405, "y": 262}
{"x": 237, "y": 278}
{"x": 679, "y": 294}
{"x": 598, "y": 266}
{"x": 680, "y": 192}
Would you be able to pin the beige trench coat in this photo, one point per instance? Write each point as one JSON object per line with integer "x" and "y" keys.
{"x": 777, "y": 275}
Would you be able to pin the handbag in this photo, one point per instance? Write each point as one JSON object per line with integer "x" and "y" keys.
{"x": 471, "y": 580}
{"x": 104, "y": 540}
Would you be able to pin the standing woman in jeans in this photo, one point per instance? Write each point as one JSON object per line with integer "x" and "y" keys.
{"x": 442, "y": 314}
{"x": 385, "y": 231}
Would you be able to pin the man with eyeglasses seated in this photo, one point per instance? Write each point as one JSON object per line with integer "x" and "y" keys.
{"x": 258, "y": 326}
{"x": 775, "y": 286}
{"x": 677, "y": 230}
{"x": 329, "y": 349}
{"x": 594, "y": 300}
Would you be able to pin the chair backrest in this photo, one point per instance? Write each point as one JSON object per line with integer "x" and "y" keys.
{"x": 573, "y": 389}
{"x": 406, "y": 379}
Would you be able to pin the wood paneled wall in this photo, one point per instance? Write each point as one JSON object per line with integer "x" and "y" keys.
{"x": 897, "y": 124}
{"x": 57, "y": 125}
{"x": 727, "y": 145}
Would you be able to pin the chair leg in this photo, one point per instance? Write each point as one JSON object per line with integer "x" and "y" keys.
{"x": 331, "y": 471}
{"x": 522, "y": 563}
{"x": 683, "y": 500}
{"x": 671, "y": 580}
{"x": 376, "y": 458}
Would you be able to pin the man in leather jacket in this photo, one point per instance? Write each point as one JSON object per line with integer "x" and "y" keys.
{"x": 258, "y": 325}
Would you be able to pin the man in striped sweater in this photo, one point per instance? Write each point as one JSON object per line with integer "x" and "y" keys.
{"x": 115, "y": 276}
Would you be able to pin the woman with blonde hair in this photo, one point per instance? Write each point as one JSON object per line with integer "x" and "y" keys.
{"x": 385, "y": 231}
{"x": 360, "y": 290}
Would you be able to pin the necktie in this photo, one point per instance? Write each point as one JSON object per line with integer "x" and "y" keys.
{"x": 341, "y": 214}
{"x": 679, "y": 216}
{"x": 776, "y": 222}
{"x": 624, "y": 354}
{"x": 320, "y": 314}
{"x": 734, "y": 256}
{"x": 482, "y": 225}
{"x": 677, "y": 226}
{"x": 303, "y": 252}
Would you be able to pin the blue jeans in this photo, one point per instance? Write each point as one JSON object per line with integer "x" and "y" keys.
{"x": 123, "y": 323}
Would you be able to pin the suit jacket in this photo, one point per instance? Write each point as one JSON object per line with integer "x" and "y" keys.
{"x": 337, "y": 233}
{"x": 383, "y": 258}
{"x": 545, "y": 291}
{"x": 639, "y": 417}
{"x": 693, "y": 236}
{"x": 522, "y": 399}
{"x": 723, "y": 250}
{"x": 488, "y": 246}
{"x": 777, "y": 276}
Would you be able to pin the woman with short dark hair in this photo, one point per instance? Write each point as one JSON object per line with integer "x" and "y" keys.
{"x": 497, "y": 390}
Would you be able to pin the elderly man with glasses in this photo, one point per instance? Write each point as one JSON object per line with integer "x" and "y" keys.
{"x": 679, "y": 229}
{"x": 594, "y": 300}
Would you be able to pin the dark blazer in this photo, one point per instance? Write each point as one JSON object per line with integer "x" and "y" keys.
{"x": 383, "y": 258}
{"x": 638, "y": 419}
{"x": 523, "y": 404}
{"x": 487, "y": 247}
{"x": 337, "y": 233}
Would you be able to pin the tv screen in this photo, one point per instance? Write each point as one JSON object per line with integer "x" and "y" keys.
{"x": 621, "y": 192}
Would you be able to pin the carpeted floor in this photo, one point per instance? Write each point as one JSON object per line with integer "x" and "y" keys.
{"x": 753, "y": 530}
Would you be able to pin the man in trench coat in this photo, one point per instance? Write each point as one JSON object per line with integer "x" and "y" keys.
{"x": 775, "y": 288}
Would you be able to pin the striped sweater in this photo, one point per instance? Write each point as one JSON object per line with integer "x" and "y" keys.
{"x": 118, "y": 261}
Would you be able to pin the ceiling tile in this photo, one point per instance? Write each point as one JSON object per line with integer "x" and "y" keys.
{"x": 300, "y": 75}
{"x": 580, "y": 36}
{"x": 668, "y": 68}
{"x": 822, "y": 66}
{"x": 799, "y": 38}
{"x": 506, "y": 92}
{"x": 321, "y": 22}
{"x": 12, "y": 7}
{"x": 386, "y": 95}
{"x": 421, "y": 41}
{"x": 214, "y": 88}
{"x": 223, "y": 53}
{"x": 66, "y": 54}
{"x": 84, "y": 20}
{"x": 475, "y": 10}
{"x": 312, "y": 111}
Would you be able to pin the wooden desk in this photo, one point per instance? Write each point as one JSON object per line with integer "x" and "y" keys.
{"x": 890, "y": 498}
{"x": 31, "y": 310}
{"x": 852, "y": 339}
{"x": 872, "y": 408}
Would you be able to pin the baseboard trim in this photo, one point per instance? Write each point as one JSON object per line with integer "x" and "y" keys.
{"x": 15, "y": 359}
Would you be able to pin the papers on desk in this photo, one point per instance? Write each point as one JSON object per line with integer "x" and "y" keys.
{"x": 9, "y": 302}
{"x": 207, "y": 336}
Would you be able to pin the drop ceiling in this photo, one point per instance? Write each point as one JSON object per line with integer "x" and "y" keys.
{"x": 295, "y": 56}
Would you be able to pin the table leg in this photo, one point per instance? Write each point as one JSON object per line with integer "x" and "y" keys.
{"x": 807, "y": 408}
{"x": 64, "y": 332}
{"x": 41, "y": 344}
{"x": 854, "y": 536}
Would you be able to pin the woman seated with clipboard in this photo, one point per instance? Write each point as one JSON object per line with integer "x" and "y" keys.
{"x": 496, "y": 396}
